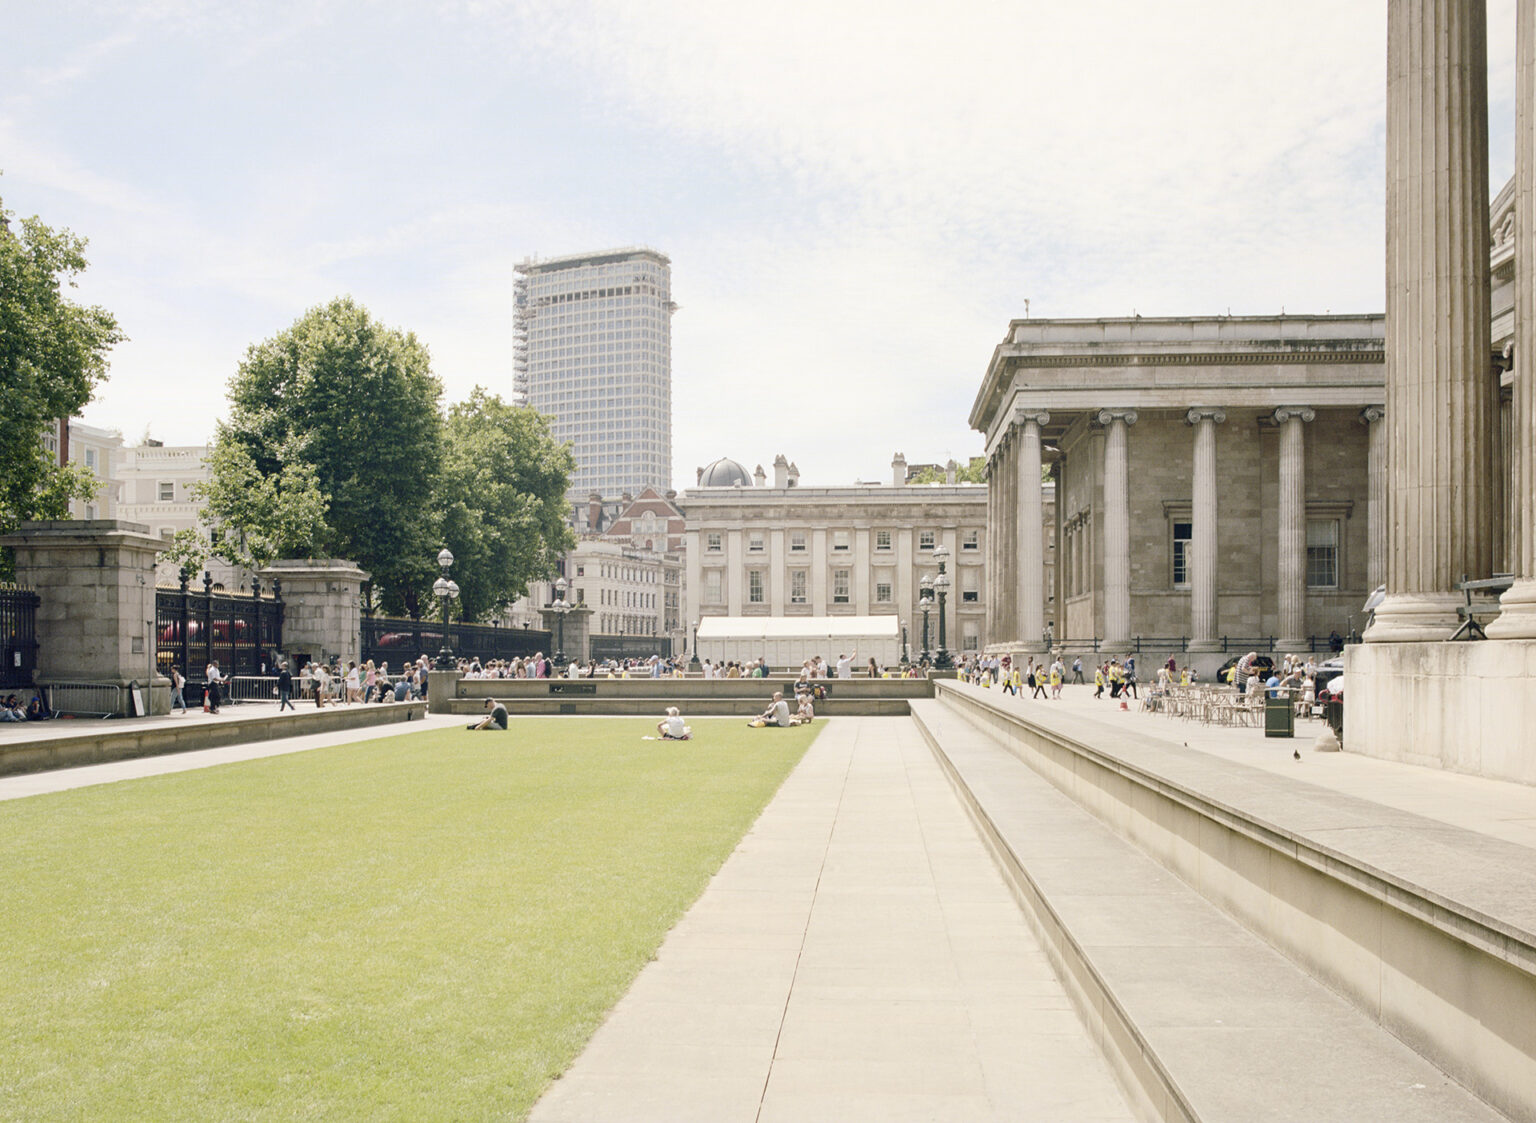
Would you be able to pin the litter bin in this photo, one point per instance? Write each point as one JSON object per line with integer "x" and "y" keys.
{"x": 1279, "y": 717}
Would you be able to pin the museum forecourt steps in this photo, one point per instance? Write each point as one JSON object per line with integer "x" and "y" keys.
{"x": 1246, "y": 945}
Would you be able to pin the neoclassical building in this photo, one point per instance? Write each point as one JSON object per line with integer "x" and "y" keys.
{"x": 1214, "y": 481}
{"x": 787, "y": 550}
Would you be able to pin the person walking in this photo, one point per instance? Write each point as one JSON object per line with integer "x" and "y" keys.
{"x": 284, "y": 687}
{"x": 1077, "y": 669}
{"x": 178, "y": 684}
{"x": 212, "y": 677}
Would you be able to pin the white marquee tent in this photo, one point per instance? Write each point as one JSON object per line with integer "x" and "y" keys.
{"x": 788, "y": 641}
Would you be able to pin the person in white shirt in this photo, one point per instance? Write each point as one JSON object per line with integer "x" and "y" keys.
{"x": 776, "y": 714}
{"x": 212, "y": 676}
{"x": 671, "y": 727}
{"x": 845, "y": 664}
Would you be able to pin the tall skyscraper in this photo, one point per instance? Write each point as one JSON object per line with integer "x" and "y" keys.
{"x": 594, "y": 355}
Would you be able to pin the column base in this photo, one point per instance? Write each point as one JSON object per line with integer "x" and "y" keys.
{"x": 1517, "y": 612}
{"x": 1415, "y": 618}
{"x": 1293, "y": 645}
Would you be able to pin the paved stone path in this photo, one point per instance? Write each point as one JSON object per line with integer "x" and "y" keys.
{"x": 63, "y": 779}
{"x": 857, "y": 958}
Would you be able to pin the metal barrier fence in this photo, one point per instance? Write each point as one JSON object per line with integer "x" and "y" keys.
{"x": 84, "y": 699}
{"x": 250, "y": 688}
{"x": 18, "y": 636}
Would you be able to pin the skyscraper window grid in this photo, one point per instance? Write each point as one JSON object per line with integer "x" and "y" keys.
{"x": 594, "y": 354}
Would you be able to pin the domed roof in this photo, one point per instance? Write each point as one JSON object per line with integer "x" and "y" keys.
{"x": 724, "y": 472}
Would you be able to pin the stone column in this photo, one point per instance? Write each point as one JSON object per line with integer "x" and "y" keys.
{"x": 1031, "y": 576}
{"x": 990, "y": 577}
{"x": 1376, "y": 495}
{"x": 1203, "y": 536}
{"x": 1440, "y": 395}
{"x": 95, "y": 583}
{"x": 322, "y": 609}
{"x": 1117, "y": 528}
{"x": 1007, "y": 616}
{"x": 1518, "y": 618}
{"x": 1291, "y": 587}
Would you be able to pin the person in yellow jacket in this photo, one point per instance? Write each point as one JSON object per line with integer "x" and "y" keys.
{"x": 1098, "y": 681}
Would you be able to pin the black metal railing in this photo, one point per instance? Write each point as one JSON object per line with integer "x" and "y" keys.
{"x": 400, "y": 640}
{"x": 242, "y": 630}
{"x": 18, "y": 636}
{"x": 1229, "y": 644}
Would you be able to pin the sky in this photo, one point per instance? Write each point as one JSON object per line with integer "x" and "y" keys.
{"x": 857, "y": 198}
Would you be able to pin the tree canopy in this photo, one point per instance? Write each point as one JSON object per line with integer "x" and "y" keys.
{"x": 502, "y": 500}
{"x": 974, "y": 472}
{"x": 53, "y": 352}
{"x": 336, "y": 445}
{"x": 357, "y": 402}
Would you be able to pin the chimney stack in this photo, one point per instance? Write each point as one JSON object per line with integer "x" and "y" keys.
{"x": 794, "y": 475}
{"x": 760, "y": 477}
{"x": 949, "y": 471}
{"x": 594, "y": 512}
{"x": 780, "y": 472}
{"x": 899, "y": 470}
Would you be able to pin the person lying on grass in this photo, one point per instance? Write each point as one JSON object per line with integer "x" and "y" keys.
{"x": 495, "y": 716}
{"x": 671, "y": 727}
{"x": 775, "y": 714}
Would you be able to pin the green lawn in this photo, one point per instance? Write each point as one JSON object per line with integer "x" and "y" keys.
{"x": 424, "y": 927}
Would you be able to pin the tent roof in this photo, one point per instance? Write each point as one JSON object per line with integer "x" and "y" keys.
{"x": 797, "y": 627}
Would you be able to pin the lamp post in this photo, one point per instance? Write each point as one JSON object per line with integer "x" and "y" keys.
{"x": 694, "y": 664}
{"x": 905, "y": 658}
{"x": 446, "y": 591}
{"x": 560, "y": 609}
{"x": 941, "y": 658}
{"x": 925, "y": 604}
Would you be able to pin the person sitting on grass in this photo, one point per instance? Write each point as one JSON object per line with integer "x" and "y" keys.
{"x": 495, "y": 716}
{"x": 671, "y": 727}
{"x": 776, "y": 714}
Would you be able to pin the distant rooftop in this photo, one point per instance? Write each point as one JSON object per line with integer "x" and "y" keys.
{"x": 537, "y": 264}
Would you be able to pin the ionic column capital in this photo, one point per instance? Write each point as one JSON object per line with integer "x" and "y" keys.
{"x": 1372, "y": 414}
{"x": 1106, "y": 416}
{"x": 1197, "y": 415}
{"x": 1285, "y": 413}
{"x": 1022, "y": 417}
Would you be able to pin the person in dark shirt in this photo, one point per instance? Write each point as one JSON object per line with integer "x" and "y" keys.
{"x": 284, "y": 687}
{"x": 495, "y": 717}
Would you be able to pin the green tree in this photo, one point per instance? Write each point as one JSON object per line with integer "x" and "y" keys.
{"x": 53, "y": 352}
{"x": 974, "y": 472}
{"x": 189, "y": 549}
{"x": 502, "y": 498}
{"x": 358, "y": 403}
{"x": 259, "y": 518}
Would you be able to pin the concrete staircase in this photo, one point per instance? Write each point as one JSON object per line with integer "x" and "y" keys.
{"x": 1247, "y": 947}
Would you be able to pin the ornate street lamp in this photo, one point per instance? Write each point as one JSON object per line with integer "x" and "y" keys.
{"x": 905, "y": 658}
{"x": 941, "y": 659}
{"x": 560, "y": 608}
{"x": 925, "y": 604}
{"x": 446, "y": 591}
{"x": 694, "y": 664}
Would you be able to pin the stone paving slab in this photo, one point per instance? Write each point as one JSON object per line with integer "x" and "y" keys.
{"x": 912, "y": 987}
{"x": 1241, "y": 1033}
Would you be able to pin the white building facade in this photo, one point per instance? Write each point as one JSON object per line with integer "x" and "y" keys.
{"x": 594, "y": 355}
{"x": 863, "y": 550}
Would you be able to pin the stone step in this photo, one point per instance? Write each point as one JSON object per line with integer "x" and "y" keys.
{"x": 1202, "y": 1019}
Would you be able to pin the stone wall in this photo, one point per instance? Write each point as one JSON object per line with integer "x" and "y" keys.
{"x": 322, "y": 607}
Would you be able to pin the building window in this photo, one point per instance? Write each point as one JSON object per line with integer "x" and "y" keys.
{"x": 1322, "y": 553}
{"x": 970, "y": 585}
{"x": 714, "y": 542}
{"x": 90, "y": 512}
{"x": 90, "y": 458}
{"x": 1183, "y": 535}
{"x": 925, "y": 539}
{"x": 581, "y": 596}
{"x": 712, "y": 586}
{"x": 755, "y": 542}
{"x": 842, "y": 541}
{"x": 581, "y": 571}
{"x": 167, "y": 491}
{"x": 797, "y": 586}
{"x": 970, "y": 639}
{"x": 797, "y": 541}
{"x": 754, "y": 586}
{"x": 167, "y": 533}
{"x": 882, "y": 592}
{"x": 971, "y": 540}
{"x": 882, "y": 540}
{"x": 840, "y": 593}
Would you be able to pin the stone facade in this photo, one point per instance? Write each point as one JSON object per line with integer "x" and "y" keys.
{"x": 322, "y": 607}
{"x": 790, "y": 550}
{"x": 1212, "y": 474}
{"x": 95, "y": 582}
